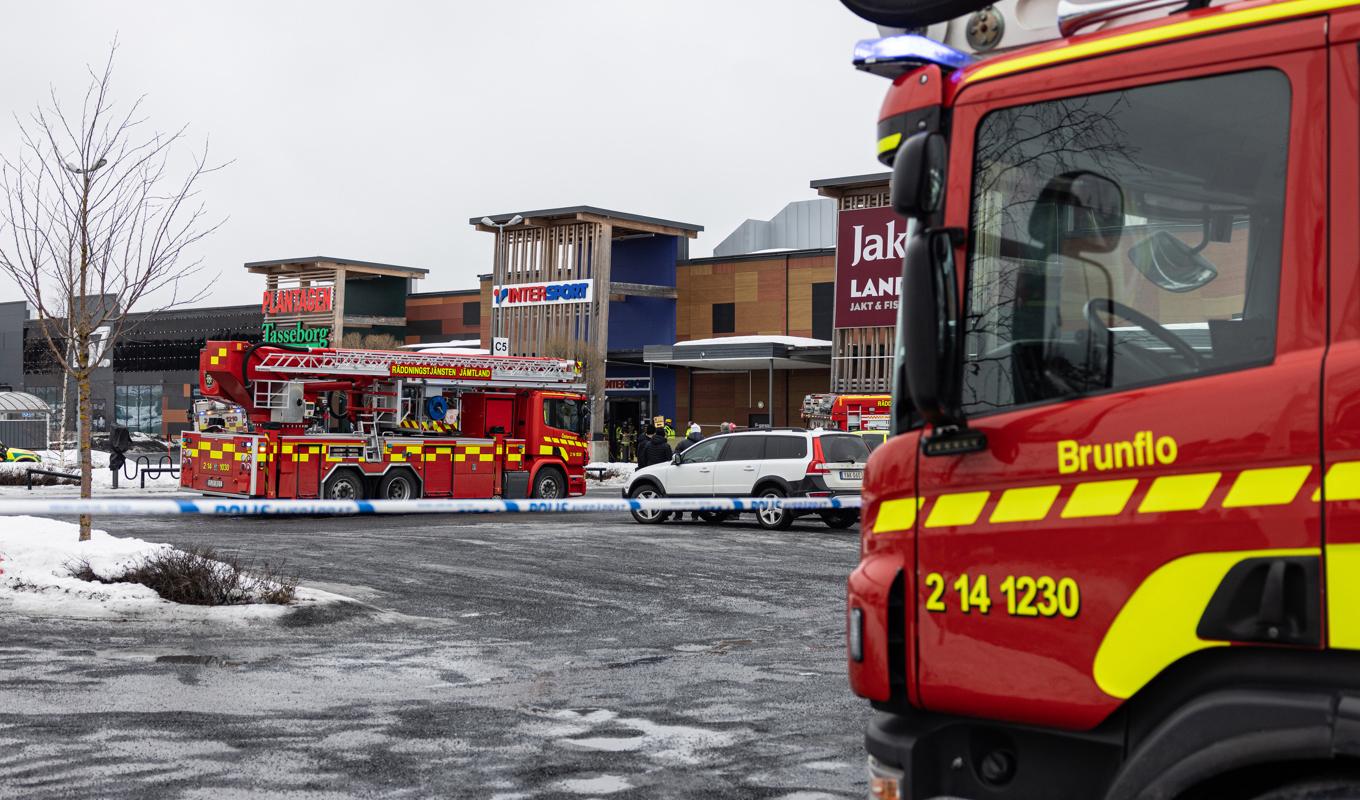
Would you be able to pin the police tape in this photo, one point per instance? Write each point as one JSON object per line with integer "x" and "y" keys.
{"x": 232, "y": 508}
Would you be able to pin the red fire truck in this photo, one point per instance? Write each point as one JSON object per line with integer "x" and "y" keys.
{"x": 847, "y": 412}
{"x": 1113, "y": 548}
{"x": 355, "y": 424}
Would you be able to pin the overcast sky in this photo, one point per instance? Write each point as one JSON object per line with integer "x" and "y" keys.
{"x": 373, "y": 131}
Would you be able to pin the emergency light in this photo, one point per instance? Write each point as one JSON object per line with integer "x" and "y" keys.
{"x": 895, "y": 55}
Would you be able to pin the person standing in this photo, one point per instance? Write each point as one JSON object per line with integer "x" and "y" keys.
{"x": 627, "y": 437}
{"x": 693, "y": 436}
{"x": 654, "y": 450}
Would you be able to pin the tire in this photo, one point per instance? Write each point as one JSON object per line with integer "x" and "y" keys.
{"x": 774, "y": 520}
{"x": 1334, "y": 788}
{"x": 343, "y": 485}
{"x": 549, "y": 484}
{"x": 839, "y": 520}
{"x": 647, "y": 491}
{"x": 398, "y": 485}
{"x": 912, "y": 13}
{"x": 715, "y": 517}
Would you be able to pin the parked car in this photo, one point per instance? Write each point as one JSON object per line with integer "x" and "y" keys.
{"x": 13, "y": 454}
{"x": 779, "y": 462}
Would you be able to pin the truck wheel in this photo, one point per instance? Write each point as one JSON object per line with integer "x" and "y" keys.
{"x": 839, "y": 520}
{"x": 1315, "y": 789}
{"x": 343, "y": 485}
{"x": 398, "y": 485}
{"x": 549, "y": 484}
{"x": 774, "y": 519}
{"x": 647, "y": 491}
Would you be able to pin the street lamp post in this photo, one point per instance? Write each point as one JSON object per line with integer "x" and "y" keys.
{"x": 498, "y": 266}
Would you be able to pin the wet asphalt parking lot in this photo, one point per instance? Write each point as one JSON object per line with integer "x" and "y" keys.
{"x": 563, "y": 656}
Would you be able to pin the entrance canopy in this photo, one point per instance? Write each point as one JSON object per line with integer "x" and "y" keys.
{"x": 742, "y": 353}
{"x": 21, "y": 403}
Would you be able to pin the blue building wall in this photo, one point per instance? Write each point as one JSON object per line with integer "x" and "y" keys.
{"x": 639, "y": 321}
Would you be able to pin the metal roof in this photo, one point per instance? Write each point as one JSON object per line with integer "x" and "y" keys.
{"x": 22, "y": 401}
{"x": 851, "y": 181}
{"x": 742, "y": 354}
{"x": 571, "y": 211}
{"x": 345, "y": 262}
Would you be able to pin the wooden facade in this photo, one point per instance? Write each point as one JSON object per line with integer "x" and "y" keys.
{"x": 571, "y": 244}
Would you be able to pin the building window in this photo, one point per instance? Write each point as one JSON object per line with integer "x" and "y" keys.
{"x": 823, "y": 301}
{"x": 138, "y": 408}
{"x": 472, "y": 313}
{"x": 724, "y": 317}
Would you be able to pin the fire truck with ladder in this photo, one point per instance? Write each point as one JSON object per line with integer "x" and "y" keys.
{"x": 352, "y": 424}
{"x": 1112, "y": 548}
{"x": 847, "y": 412}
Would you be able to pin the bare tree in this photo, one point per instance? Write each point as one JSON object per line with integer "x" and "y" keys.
{"x": 370, "y": 341}
{"x": 98, "y": 215}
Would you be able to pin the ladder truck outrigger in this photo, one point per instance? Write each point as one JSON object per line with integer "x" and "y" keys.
{"x": 347, "y": 424}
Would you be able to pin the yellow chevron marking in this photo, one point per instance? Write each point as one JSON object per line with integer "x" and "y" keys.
{"x": 898, "y": 514}
{"x": 963, "y": 508}
{"x": 1099, "y": 498}
{"x": 1343, "y": 482}
{"x": 1028, "y": 504}
{"x": 1179, "y": 492}
{"x": 1269, "y": 486}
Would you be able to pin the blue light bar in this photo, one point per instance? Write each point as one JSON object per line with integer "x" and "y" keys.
{"x": 895, "y": 55}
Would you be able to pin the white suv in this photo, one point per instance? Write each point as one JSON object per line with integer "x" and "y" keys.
{"x": 777, "y": 462}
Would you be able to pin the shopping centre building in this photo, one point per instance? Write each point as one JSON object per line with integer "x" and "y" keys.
{"x": 803, "y": 302}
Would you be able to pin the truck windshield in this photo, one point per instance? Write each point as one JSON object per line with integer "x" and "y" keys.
{"x": 1125, "y": 238}
{"x": 563, "y": 413}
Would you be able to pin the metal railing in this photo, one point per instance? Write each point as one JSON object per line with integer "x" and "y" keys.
{"x": 52, "y": 473}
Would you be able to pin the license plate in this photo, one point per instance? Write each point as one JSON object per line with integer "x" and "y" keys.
{"x": 215, "y": 483}
{"x": 852, "y": 474}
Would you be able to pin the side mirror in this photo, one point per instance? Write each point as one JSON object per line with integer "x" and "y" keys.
{"x": 675, "y": 459}
{"x": 918, "y": 175}
{"x": 931, "y": 329}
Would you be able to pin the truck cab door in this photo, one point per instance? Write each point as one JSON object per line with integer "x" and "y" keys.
{"x": 1147, "y": 378}
{"x": 1341, "y": 433}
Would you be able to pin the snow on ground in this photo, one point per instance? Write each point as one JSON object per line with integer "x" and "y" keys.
{"x": 35, "y": 559}
{"x": 616, "y": 473}
{"x": 100, "y": 477}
